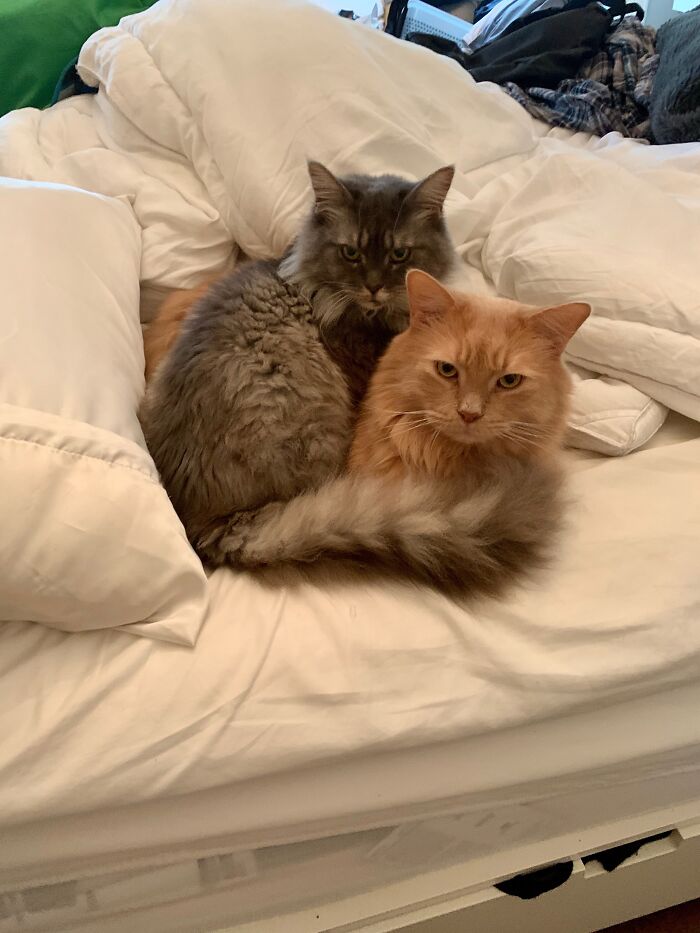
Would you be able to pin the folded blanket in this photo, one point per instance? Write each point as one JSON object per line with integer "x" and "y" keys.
{"x": 675, "y": 97}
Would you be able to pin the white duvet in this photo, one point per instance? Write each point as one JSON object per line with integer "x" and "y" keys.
{"x": 207, "y": 111}
{"x": 282, "y": 679}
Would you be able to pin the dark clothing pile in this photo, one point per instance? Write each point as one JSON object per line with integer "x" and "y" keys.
{"x": 588, "y": 66}
{"x": 580, "y": 65}
{"x": 612, "y": 91}
{"x": 540, "y": 49}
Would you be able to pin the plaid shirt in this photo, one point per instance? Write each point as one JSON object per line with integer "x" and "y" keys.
{"x": 610, "y": 94}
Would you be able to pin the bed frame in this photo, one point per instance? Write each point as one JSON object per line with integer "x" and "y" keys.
{"x": 460, "y": 898}
{"x": 662, "y": 874}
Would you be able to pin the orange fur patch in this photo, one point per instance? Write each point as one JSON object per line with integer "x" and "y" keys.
{"x": 163, "y": 331}
{"x": 435, "y": 405}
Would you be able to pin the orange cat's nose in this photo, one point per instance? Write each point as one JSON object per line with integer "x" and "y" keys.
{"x": 469, "y": 416}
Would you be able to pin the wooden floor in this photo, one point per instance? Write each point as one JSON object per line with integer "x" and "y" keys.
{"x": 682, "y": 919}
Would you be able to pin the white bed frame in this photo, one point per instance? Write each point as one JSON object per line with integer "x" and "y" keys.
{"x": 458, "y": 899}
{"x": 661, "y": 874}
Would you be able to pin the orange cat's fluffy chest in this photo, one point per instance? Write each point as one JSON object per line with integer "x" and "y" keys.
{"x": 402, "y": 446}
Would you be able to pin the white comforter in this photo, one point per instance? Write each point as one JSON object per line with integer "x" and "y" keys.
{"x": 204, "y": 121}
{"x": 207, "y": 111}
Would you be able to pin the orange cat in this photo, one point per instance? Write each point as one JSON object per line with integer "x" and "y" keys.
{"x": 473, "y": 380}
{"x": 453, "y": 475}
{"x": 164, "y": 329}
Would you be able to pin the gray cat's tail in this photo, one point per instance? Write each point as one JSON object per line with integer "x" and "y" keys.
{"x": 462, "y": 541}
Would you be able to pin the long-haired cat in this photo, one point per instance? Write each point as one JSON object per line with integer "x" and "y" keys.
{"x": 164, "y": 329}
{"x": 254, "y": 402}
{"x": 453, "y": 477}
{"x": 350, "y": 259}
{"x": 472, "y": 381}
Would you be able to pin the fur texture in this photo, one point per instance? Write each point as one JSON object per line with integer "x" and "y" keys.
{"x": 250, "y": 406}
{"x": 361, "y": 301}
{"x": 436, "y": 405}
{"x": 454, "y": 478}
{"x": 353, "y": 253}
{"x": 163, "y": 331}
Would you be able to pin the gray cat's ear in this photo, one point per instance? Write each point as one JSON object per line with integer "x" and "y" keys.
{"x": 332, "y": 197}
{"x": 427, "y": 197}
{"x": 558, "y": 325}
{"x": 427, "y": 298}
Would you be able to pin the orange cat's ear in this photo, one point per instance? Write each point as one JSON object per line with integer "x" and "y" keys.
{"x": 427, "y": 298}
{"x": 560, "y": 324}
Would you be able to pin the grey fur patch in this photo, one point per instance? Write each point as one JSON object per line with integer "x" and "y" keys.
{"x": 254, "y": 406}
{"x": 469, "y": 539}
{"x": 376, "y": 215}
{"x": 249, "y": 407}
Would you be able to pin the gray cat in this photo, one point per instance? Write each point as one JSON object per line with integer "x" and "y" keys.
{"x": 352, "y": 256}
{"x": 255, "y": 402}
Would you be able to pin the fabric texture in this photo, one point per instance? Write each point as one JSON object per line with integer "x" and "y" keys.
{"x": 542, "y": 49}
{"x": 611, "y": 92}
{"x": 611, "y": 418}
{"x": 40, "y": 37}
{"x": 202, "y": 188}
{"x": 675, "y": 98}
{"x": 493, "y": 17}
{"x": 89, "y": 536}
{"x": 288, "y": 679}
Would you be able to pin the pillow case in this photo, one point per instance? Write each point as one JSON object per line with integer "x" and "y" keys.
{"x": 609, "y": 416}
{"x": 89, "y": 536}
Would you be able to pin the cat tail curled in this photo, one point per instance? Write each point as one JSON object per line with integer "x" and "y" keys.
{"x": 463, "y": 541}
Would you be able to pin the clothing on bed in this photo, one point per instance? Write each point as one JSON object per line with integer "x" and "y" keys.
{"x": 493, "y": 17}
{"x": 540, "y": 49}
{"x": 611, "y": 93}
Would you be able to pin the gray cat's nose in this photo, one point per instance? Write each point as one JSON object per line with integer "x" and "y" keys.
{"x": 373, "y": 289}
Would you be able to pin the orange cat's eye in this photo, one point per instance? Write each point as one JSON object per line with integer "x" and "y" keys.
{"x": 446, "y": 369}
{"x": 510, "y": 380}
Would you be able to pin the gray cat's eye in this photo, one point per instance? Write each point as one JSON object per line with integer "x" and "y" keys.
{"x": 447, "y": 370}
{"x": 400, "y": 254}
{"x": 349, "y": 253}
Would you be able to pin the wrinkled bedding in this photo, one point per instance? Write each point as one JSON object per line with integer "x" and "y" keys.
{"x": 204, "y": 121}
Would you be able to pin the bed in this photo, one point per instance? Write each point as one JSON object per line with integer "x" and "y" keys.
{"x": 371, "y": 758}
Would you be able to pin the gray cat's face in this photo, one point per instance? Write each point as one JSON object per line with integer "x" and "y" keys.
{"x": 364, "y": 234}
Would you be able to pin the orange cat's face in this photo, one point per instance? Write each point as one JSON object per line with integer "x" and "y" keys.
{"x": 485, "y": 369}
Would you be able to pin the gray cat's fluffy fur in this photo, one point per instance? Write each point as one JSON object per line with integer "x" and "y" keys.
{"x": 250, "y": 417}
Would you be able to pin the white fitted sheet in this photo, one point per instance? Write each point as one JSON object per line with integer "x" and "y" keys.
{"x": 296, "y": 691}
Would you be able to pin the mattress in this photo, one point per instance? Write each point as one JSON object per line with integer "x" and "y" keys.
{"x": 305, "y": 714}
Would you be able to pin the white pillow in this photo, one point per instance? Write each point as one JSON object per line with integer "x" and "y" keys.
{"x": 609, "y": 416}
{"x": 89, "y": 537}
{"x": 572, "y": 225}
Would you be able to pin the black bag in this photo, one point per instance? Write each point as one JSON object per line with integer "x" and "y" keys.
{"x": 539, "y": 50}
